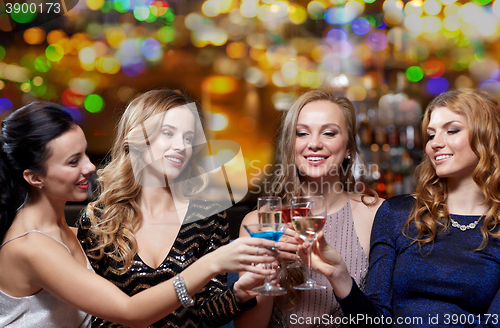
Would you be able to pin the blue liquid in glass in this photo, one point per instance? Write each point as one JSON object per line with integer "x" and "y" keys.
{"x": 270, "y": 235}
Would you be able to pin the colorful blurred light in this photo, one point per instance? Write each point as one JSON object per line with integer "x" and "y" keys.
{"x": 414, "y": 74}
{"x": 95, "y": 4}
{"x": 220, "y": 84}
{"x": 491, "y": 86}
{"x": 27, "y": 16}
{"x": 5, "y": 105}
{"x": 34, "y": 35}
{"x": 150, "y": 48}
{"x": 93, "y": 103}
{"x": 342, "y": 49}
{"x": 141, "y": 13}
{"x": 218, "y": 122}
{"x": 451, "y": 23}
{"x": 377, "y": 41}
{"x": 434, "y": 68}
{"x": 482, "y": 2}
{"x": 414, "y": 23}
{"x": 75, "y": 113}
{"x": 115, "y": 36}
{"x": 133, "y": 65}
{"x": 432, "y": 24}
{"x": 290, "y": 69}
{"x": 166, "y": 34}
{"x": 361, "y": 26}
{"x": 495, "y": 8}
{"x": 414, "y": 8}
{"x": 87, "y": 55}
{"x": 211, "y": 8}
{"x": 54, "y": 52}
{"x": 432, "y": 7}
{"x": 356, "y": 93}
{"x": 2, "y": 53}
{"x": 340, "y": 15}
{"x": 71, "y": 99}
{"x": 437, "y": 86}
{"x": 249, "y": 8}
{"x": 42, "y": 64}
{"x": 55, "y": 35}
{"x": 310, "y": 79}
{"x": 297, "y": 14}
{"x": 37, "y": 81}
{"x": 335, "y": 35}
{"x": 236, "y": 50}
{"x": 316, "y": 9}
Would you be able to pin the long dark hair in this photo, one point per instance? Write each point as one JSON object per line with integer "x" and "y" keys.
{"x": 23, "y": 146}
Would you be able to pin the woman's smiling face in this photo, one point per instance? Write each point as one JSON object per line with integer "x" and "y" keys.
{"x": 448, "y": 145}
{"x": 321, "y": 140}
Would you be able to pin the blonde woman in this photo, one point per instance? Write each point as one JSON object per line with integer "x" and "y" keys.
{"x": 45, "y": 277}
{"x": 149, "y": 224}
{"x": 316, "y": 155}
{"x": 435, "y": 255}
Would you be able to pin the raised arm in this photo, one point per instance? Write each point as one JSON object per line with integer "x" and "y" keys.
{"x": 51, "y": 267}
{"x": 260, "y": 315}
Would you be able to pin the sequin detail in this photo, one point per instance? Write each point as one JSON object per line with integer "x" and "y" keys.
{"x": 202, "y": 232}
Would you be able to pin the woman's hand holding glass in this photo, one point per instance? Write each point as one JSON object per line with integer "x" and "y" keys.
{"x": 308, "y": 218}
{"x": 327, "y": 261}
{"x": 241, "y": 254}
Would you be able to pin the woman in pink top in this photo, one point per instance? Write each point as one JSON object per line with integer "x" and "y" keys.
{"x": 316, "y": 155}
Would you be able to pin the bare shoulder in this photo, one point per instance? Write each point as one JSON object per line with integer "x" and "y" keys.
{"x": 74, "y": 231}
{"x": 33, "y": 250}
{"x": 361, "y": 209}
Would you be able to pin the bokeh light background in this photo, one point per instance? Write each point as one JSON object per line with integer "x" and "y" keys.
{"x": 246, "y": 60}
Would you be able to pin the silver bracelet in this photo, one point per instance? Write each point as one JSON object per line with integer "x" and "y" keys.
{"x": 182, "y": 294}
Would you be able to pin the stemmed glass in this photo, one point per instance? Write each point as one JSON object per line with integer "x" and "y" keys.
{"x": 308, "y": 218}
{"x": 272, "y": 231}
{"x": 268, "y": 209}
{"x": 286, "y": 217}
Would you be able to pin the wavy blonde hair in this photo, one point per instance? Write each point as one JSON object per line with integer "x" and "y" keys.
{"x": 285, "y": 158}
{"x": 115, "y": 215}
{"x": 430, "y": 214}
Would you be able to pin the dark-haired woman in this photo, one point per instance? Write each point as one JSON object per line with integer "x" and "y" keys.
{"x": 45, "y": 277}
{"x": 435, "y": 255}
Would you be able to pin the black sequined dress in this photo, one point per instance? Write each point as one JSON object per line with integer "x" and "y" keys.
{"x": 202, "y": 232}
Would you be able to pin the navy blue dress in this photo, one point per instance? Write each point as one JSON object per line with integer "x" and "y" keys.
{"x": 446, "y": 284}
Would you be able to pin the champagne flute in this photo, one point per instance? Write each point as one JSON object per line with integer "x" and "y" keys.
{"x": 268, "y": 209}
{"x": 272, "y": 231}
{"x": 308, "y": 218}
{"x": 286, "y": 217}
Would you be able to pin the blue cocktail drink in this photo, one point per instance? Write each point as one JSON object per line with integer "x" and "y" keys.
{"x": 270, "y": 231}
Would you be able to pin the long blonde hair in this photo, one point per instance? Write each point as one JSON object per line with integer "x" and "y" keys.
{"x": 287, "y": 173}
{"x": 115, "y": 215}
{"x": 430, "y": 214}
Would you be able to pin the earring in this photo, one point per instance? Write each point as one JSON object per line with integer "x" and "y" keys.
{"x": 348, "y": 156}
{"x": 40, "y": 187}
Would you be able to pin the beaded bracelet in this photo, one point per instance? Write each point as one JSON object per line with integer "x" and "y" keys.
{"x": 182, "y": 294}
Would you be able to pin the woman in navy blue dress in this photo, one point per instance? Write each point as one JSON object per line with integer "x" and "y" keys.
{"x": 435, "y": 255}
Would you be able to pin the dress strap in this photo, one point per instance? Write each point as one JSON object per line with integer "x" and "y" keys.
{"x": 27, "y": 232}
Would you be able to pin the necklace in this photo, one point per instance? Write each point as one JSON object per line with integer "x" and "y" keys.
{"x": 464, "y": 227}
